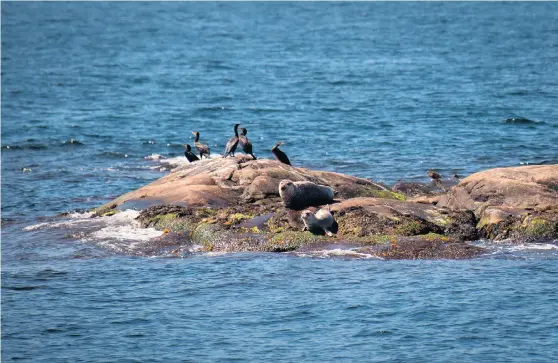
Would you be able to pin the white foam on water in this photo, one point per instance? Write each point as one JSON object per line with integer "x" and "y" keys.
{"x": 175, "y": 162}
{"x": 337, "y": 252}
{"x": 533, "y": 247}
{"x": 218, "y": 253}
{"x": 76, "y": 215}
{"x": 508, "y": 246}
{"x": 131, "y": 232}
{"x": 170, "y": 163}
{"x": 154, "y": 157}
{"x": 122, "y": 227}
{"x": 34, "y": 227}
{"x": 76, "y": 218}
{"x": 121, "y": 231}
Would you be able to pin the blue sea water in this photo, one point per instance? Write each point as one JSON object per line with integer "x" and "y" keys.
{"x": 93, "y": 92}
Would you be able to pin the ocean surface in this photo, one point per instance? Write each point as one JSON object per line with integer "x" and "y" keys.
{"x": 98, "y": 99}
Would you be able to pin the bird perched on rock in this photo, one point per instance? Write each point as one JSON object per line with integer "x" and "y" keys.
{"x": 202, "y": 148}
{"x": 245, "y": 143}
{"x": 232, "y": 144}
{"x": 189, "y": 154}
{"x": 279, "y": 154}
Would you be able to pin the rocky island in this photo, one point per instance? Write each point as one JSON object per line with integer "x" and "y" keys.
{"x": 233, "y": 205}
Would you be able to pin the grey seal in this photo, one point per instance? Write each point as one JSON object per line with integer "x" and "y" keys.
{"x": 301, "y": 194}
{"x": 316, "y": 222}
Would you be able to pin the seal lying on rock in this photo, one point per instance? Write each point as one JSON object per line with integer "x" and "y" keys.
{"x": 316, "y": 222}
{"x": 302, "y": 194}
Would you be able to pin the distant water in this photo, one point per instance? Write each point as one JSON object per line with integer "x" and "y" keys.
{"x": 98, "y": 99}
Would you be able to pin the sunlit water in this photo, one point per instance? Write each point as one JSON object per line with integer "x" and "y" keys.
{"x": 98, "y": 99}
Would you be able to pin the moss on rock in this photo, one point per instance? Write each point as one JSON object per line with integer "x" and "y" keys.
{"x": 110, "y": 213}
{"x": 379, "y": 193}
{"x": 411, "y": 228}
{"x": 104, "y": 210}
{"x": 291, "y": 240}
{"x": 538, "y": 227}
{"x": 236, "y": 218}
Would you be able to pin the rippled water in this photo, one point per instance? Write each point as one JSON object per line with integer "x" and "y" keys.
{"x": 93, "y": 92}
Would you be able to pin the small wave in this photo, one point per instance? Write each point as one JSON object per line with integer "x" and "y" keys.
{"x": 154, "y": 157}
{"x": 97, "y": 136}
{"x": 120, "y": 232}
{"x": 212, "y": 108}
{"x": 336, "y": 109}
{"x": 36, "y": 226}
{"x": 174, "y": 162}
{"x": 169, "y": 163}
{"x": 175, "y": 145}
{"x": 123, "y": 233}
{"x": 266, "y": 109}
{"x": 113, "y": 155}
{"x": 73, "y": 142}
{"x": 25, "y": 147}
{"x": 509, "y": 247}
{"x": 338, "y": 252}
{"x": 521, "y": 121}
{"x": 521, "y": 92}
{"x": 8, "y": 221}
{"x": 533, "y": 247}
{"x": 75, "y": 218}
{"x": 76, "y": 215}
{"x": 23, "y": 288}
{"x": 141, "y": 80}
{"x": 218, "y": 65}
{"x": 543, "y": 162}
{"x": 343, "y": 82}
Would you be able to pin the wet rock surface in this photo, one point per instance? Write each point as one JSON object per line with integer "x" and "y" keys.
{"x": 233, "y": 205}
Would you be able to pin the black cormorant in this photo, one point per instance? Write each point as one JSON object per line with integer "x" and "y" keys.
{"x": 280, "y": 155}
{"x": 202, "y": 148}
{"x": 245, "y": 143}
{"x": 189, "y": 154}
{"x": 232, "y": 144}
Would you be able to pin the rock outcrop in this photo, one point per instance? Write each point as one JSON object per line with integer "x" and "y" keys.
{"x": 516, "y": 202}
{"x": 233, "y": 204}
{"x": 221, "y": 182}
